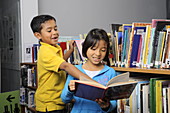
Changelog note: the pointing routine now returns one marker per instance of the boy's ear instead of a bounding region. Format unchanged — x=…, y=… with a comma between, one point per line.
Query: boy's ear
x=37, y=35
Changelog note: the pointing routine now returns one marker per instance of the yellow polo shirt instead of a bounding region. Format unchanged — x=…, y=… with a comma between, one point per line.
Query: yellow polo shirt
x=50, y=80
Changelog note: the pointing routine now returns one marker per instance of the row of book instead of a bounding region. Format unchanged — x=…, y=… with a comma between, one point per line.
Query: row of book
x=140, y=44
x=28, y=76
x=31, y=50
x=151, y=96
x=27, y=97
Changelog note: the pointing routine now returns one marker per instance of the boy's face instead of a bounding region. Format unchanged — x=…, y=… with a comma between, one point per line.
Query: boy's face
x=49, y=33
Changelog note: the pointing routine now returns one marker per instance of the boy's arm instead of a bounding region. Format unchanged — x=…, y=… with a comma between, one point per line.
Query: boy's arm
x=73, y=71
x=71, y=49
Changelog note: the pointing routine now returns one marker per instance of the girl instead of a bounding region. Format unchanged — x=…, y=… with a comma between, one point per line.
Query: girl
x=96, y=50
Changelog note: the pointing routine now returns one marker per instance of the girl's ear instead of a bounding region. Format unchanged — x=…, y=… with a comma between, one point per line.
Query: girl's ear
x=37, y=35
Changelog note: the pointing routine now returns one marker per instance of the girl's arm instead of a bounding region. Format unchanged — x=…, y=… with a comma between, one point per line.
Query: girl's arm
x=66, y=94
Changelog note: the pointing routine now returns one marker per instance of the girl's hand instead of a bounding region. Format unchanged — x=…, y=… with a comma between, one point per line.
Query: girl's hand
x=104, y=104
x=72, y=85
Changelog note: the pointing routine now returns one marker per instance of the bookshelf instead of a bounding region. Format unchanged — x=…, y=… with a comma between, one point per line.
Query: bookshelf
x=145, y=78
x=142, y=70
x=26, y=100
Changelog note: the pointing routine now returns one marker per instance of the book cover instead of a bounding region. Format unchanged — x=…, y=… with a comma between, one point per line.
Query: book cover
x=63, y=46
x=28, y=53
x=145, y=98
x=160, y=26
x=118, y=87
x=152, y=95
x=35, y=49
x=165, y=100
x=146, y=46
x=125, y=38
x=166, y=52
x=79, y=46
x=140, y=95
x=134, y=25
x=159, y=85
x=137, y=40
x=152, y=84
x=168, y=99
x=159, y=49
x=114, y=29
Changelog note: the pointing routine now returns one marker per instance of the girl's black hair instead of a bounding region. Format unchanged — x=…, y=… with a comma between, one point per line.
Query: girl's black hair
x=92, y=38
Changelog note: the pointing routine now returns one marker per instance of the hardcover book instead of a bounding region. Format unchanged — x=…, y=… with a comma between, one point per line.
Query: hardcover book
x=160, y=26
x=118, y=87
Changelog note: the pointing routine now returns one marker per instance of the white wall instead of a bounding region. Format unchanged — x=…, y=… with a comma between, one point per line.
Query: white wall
x=79, y=16
x=29, y=9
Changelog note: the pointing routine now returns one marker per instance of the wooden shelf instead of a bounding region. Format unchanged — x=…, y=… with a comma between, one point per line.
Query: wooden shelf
x=29, y=63
x=32, y=109
x=141, y=70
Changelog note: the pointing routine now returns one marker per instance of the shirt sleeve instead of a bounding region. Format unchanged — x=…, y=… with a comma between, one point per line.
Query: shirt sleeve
x=113, y=104
x=51, y=61
x=67, y=95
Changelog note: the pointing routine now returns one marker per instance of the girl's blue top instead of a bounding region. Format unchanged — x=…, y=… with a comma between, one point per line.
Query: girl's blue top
x=82, y=105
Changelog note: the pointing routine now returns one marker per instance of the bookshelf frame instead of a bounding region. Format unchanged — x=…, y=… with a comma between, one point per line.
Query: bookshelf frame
x=30, y=87
x=142, y=70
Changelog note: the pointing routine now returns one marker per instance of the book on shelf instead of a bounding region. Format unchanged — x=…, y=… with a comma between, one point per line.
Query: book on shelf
x=28, y=54
x=79, y=47
x=166, y=51
x=131, y=39
x=118, y=87
x=160, y=26
x=31, y=94
x=145, y=97
x=137, y=45
x=146, y=46
x=125, y=41
x=160, y=46
x=28, y=76
x=63, y=46
x=152, y=92
x=165, y=97
x=140, y=95
x=160, y=84
x=168, y=93
x=135, y=102
x=136, y=98
x=114, y=38
x=23, y=96
x=35, y=48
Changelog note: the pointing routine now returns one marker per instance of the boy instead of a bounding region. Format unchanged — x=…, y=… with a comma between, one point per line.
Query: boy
x=50, y=63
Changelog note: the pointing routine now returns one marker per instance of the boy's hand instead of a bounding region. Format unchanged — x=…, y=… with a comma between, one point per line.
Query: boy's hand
x=72, y=85
x=72, y=45
x=104, y=104
x=70, y=51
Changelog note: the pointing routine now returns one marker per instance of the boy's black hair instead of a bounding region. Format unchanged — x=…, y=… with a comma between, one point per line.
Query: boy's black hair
x=38, y=20
x=92, y=38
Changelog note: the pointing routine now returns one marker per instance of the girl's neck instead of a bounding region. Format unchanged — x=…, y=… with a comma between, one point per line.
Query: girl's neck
x=93, y=67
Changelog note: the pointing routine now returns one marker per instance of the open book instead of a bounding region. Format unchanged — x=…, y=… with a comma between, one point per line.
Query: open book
x=118, y=87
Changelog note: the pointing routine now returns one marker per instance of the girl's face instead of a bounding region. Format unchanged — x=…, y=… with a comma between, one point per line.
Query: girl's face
x=96, y=54
x=49, y=33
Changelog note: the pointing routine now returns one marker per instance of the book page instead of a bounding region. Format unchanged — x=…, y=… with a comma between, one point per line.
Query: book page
x=91, y=83
x=82, y=78
x=124, y=77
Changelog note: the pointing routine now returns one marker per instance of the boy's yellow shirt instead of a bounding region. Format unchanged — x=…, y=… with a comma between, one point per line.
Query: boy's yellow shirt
x=50, y=80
